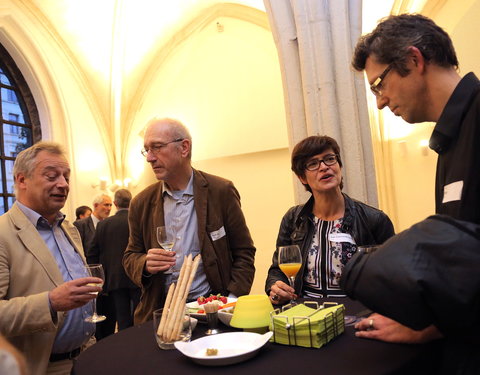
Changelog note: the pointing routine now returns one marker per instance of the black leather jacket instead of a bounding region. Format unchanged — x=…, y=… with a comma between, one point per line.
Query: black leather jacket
x=367, y=225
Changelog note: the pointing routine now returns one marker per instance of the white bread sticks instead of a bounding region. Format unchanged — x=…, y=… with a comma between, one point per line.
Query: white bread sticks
x=173, y=310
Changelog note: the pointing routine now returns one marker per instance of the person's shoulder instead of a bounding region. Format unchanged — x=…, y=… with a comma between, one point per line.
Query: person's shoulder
x=211, y=179
x=146, y=194
x=82, y=222
x=293, y=213
x=359, y=204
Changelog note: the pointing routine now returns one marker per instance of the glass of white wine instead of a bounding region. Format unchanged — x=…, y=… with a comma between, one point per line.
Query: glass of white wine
x=166, y=239
x=95, y=270
x=290, y=262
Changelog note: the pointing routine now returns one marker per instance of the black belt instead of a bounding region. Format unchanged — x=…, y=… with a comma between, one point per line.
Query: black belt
x=55, y=357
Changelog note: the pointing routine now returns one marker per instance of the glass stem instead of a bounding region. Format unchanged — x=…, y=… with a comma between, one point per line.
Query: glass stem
x=94, y=307
x=291, y=279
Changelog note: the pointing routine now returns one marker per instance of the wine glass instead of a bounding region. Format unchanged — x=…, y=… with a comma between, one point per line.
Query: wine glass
x=95, y=270
x=290, y=262
x=166, y=240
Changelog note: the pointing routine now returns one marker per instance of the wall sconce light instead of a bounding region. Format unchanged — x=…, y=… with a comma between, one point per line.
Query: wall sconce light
x=424, y=147
x=102, y=184
x=118, y=184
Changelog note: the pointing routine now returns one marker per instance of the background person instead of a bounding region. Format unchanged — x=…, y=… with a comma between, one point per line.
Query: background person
x=42, y=266
x=109, y=244
x=102, y=205
x=82, y=212
x=205, y=212
x=328, y=228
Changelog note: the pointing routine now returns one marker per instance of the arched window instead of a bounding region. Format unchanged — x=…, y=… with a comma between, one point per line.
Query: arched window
x=19, y=123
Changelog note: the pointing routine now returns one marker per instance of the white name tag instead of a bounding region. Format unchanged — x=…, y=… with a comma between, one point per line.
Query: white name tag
x=452, y=192
x=217, y=234
x=341, y=237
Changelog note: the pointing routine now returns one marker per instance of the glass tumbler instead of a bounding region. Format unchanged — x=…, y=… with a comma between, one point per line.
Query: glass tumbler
x=164, y=341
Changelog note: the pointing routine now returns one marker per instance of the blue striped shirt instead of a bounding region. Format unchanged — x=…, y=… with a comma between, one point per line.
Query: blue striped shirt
x=179, y=213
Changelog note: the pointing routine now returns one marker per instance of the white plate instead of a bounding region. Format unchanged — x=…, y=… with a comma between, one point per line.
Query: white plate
x=202, y=317
x=233, y=347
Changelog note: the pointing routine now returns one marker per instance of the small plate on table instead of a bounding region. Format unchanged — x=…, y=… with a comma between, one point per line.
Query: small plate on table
x=231, y=347
x=193, y=306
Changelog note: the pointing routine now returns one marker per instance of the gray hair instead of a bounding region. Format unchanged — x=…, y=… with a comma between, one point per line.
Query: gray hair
x=176, y=128
x=99, y=198
x=25, y=163
x=122, y=198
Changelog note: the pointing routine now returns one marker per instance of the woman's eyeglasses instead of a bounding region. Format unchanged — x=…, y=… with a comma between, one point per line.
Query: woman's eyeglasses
x=314, y=164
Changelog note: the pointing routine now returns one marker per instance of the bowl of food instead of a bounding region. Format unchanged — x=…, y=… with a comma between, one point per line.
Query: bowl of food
x=197, y=310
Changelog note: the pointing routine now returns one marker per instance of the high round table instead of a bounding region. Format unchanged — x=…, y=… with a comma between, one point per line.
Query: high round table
x=135, y=351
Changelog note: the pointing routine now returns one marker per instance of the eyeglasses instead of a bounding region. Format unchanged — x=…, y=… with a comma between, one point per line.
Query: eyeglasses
x=376, y=86
x=155, y=148
x=314, y=164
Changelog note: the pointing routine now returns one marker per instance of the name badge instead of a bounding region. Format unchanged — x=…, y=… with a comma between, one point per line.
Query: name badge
x=341, y=237
x=452, y=192
x=217, y=234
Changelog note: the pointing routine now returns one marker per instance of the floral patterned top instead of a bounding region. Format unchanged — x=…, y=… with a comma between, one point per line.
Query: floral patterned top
x=326, y=259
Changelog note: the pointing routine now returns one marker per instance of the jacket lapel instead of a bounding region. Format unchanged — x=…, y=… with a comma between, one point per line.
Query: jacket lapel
x=200, y=194
x=74, y=238
x=34, y=243
x=91, y=227
x=158, y=219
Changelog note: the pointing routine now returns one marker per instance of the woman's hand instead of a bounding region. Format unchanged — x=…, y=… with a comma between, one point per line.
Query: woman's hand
x=281, y=293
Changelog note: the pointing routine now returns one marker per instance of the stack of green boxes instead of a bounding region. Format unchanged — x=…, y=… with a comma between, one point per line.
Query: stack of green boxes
x=305, y=326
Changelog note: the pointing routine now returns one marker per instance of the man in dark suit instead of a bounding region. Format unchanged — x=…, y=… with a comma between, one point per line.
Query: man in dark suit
x=102, y=205
x=110, y=241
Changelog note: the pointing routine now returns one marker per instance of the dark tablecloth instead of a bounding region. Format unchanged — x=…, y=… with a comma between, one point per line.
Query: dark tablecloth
x=135, y=351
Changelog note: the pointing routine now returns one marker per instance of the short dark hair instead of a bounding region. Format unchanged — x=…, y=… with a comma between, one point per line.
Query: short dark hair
x=311, y=146
x=122, y=198
x=81, y=211
x=390, y=40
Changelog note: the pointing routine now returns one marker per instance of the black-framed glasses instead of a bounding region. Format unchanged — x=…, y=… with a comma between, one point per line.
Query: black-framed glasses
x=376, y=86
x=314, y=164
x=155, y=148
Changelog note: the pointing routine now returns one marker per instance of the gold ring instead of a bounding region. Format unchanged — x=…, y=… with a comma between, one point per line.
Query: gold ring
x=370, y=324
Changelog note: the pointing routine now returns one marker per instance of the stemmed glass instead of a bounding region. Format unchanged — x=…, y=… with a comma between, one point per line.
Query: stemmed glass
x=166, y=240
x=290, y=262
x=95, y=270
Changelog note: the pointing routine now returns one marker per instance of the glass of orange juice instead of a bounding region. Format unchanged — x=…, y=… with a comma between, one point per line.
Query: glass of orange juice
x=290, y=262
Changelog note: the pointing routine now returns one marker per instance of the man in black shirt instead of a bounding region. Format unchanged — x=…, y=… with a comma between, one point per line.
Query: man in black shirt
x=411, y=65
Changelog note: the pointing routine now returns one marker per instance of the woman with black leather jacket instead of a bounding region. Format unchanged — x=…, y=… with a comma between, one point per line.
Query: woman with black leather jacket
x=328, y=228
